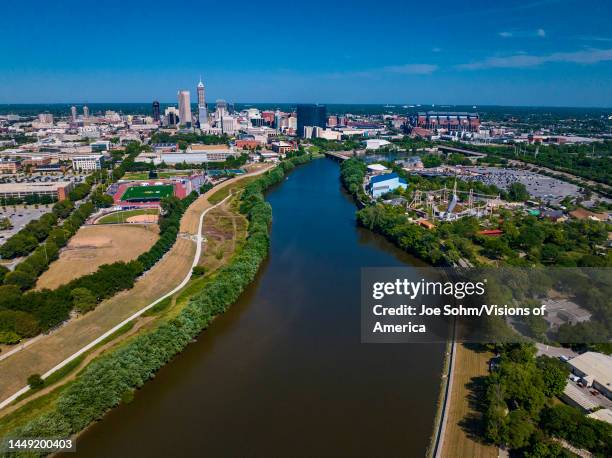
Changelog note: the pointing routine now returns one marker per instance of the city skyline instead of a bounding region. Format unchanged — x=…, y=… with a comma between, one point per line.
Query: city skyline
x=519, y=53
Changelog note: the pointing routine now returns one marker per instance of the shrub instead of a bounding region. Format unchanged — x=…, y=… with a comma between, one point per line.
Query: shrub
x=35, y=381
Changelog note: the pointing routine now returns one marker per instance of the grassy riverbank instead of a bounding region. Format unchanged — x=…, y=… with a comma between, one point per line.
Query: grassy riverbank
x=113, y=377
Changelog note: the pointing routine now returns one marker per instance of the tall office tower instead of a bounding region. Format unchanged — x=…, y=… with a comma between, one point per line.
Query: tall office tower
x=156, y=111
x=184, y=108
x=73, y=112
x=221, y=108
x=310, y=115
x=85, y=111
x=277, y=120
x=202, y=110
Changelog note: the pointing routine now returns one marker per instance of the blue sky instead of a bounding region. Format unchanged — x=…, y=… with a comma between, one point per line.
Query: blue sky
x=530, y=52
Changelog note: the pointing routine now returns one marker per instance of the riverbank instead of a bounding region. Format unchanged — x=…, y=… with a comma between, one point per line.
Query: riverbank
x=116, y=375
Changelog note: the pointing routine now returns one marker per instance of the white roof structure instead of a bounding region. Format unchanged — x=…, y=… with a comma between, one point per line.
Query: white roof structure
x=602, y=415
x=376, y=143
x=579, y=397
x=377, y=167
x=596, y=366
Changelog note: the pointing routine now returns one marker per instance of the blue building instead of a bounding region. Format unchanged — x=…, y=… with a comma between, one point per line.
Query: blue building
x=383, y=184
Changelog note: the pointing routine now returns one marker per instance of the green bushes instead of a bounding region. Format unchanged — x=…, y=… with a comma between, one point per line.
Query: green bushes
x=107, y=381
x=352, y=173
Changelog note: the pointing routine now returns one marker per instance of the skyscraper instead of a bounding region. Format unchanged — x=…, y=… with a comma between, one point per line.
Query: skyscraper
x=221, y=108
x=202, y=111
x=156, y=111
x=184, y=108
x=73, y=113
x=310, y=115
x=85, y=111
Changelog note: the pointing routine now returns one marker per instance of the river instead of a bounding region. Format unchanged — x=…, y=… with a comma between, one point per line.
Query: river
x=283, y=372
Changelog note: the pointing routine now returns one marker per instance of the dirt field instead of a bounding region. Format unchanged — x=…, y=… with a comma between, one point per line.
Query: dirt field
x=53, y=348
x=464, y=417
x=93, y=246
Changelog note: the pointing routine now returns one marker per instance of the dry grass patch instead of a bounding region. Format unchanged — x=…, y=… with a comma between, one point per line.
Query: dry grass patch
x=93, y=246
x=463, y=426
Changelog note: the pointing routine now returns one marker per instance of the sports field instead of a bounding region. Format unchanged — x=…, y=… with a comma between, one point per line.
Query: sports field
x=147, y=193
x=130, y=216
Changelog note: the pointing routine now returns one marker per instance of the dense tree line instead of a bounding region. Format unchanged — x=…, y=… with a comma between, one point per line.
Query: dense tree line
x=113, y=376
x=32, y=199
x=50, y=307
x=520, y=415
x=352, y=174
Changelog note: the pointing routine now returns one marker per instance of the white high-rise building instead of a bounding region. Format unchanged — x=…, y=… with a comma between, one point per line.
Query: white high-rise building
x=85, y=111
x=73, y=112
x=202, y=110
x=184, y=108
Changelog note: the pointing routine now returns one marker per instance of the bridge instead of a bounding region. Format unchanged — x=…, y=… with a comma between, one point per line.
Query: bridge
x=340, y=156
x=467, y=152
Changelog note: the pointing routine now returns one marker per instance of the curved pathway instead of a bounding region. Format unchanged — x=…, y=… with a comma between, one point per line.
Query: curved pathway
x=36, y=356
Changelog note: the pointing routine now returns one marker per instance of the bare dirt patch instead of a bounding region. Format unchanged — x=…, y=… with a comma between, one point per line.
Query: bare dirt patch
x=143, y=219
x=93, y=246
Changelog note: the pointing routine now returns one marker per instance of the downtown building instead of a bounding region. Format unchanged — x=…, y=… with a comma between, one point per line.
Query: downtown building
x=310, y=115
x=184, y=108
x=453, y=121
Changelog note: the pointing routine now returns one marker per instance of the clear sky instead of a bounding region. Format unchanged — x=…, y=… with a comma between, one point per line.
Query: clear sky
x=530, y=52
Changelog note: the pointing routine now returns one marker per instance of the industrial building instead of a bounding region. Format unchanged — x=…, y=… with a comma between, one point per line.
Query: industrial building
x=450, y=120
x=595, y=369
x=88, y=163
x=58, y=190
x=383, y=184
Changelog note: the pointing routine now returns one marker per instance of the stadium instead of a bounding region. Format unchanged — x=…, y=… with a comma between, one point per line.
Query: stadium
x=147, y=193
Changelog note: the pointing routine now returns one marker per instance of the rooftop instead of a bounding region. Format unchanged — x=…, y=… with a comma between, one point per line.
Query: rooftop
x=602, y=415
x=596, y=365
x=386, y=177
x=32, y=187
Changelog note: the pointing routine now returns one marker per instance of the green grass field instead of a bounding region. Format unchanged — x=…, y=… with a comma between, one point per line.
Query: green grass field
x=146, y=193
x=120, y=217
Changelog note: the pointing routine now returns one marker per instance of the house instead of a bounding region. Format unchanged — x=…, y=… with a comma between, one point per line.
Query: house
x=553, y=215
x=383, y=184
x=581, y=213
x=425, y=223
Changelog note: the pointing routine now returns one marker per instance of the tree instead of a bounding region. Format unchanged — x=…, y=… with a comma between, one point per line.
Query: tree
x=198, y=271
x=23, y=280
x=517, y=192
x=554, y=375
x=83, y=299
x=35, y=381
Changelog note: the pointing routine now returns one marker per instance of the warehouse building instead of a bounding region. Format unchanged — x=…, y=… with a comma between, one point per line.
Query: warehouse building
x=595, y=369
x=58, y=190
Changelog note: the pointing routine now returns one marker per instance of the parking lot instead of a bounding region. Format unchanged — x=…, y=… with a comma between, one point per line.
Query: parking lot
x=40, y=178
x=539, y=186
x=20, y=215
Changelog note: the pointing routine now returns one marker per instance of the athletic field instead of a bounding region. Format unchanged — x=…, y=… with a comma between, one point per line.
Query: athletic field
x=147, y=193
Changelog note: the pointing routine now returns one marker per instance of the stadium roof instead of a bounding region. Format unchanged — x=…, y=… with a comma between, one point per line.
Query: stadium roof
x=386, y=177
